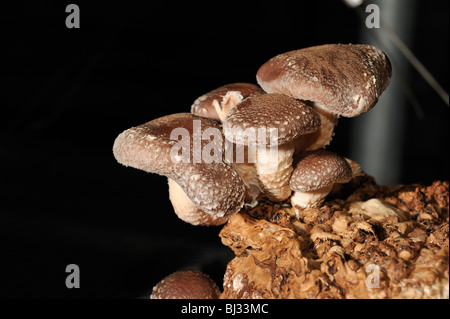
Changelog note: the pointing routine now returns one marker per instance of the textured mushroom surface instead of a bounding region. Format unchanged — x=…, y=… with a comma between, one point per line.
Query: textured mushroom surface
x=333, y=250
x=204, y=105
x=317, y=169
x=186, y=209
x=291, y=118
x=186, y=284
x=215, y=188
x=346, y=79
x=271, y=120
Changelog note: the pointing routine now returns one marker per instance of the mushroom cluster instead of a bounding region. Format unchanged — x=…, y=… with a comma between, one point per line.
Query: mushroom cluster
x=243, y=143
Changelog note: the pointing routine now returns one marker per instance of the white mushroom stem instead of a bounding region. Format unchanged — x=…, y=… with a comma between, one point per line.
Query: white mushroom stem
x=323, y=136
x=229, y=101
x=186, y=209
x=301, y=200
x=247, y=171
x=274, y=168
x=243, y=162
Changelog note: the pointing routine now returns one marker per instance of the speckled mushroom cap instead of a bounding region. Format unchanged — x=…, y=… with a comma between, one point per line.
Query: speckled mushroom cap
x=186, y=284
x=346, y=79
x=203, y=106
x=214, y=188
x=317, y=169
x=289, y=116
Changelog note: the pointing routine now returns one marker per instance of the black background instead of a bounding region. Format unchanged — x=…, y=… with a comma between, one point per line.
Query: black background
x=67, y=93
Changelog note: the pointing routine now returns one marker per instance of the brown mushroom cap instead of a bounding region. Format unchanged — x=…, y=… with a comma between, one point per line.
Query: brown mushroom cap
x=186, y=209
x=318, y=169
x=289, y=116
x=346, y=79
x=214, y=188
x=203, y=106
x=186, y=284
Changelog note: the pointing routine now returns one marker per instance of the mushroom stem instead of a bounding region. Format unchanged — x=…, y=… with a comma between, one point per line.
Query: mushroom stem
x=229, y=101
x=324, y=135
x=274, y=168
x=301, y=200
x=186, y=209
x=242, y=159
x=247, y=171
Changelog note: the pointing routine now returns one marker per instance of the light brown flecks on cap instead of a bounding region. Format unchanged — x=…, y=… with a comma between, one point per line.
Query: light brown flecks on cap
x=219, y=191
x=186, y=284
x=314, y=170
x=147, y=147
x=204, y=105
x=288, y=116
x=186, y=209
x=346, y=79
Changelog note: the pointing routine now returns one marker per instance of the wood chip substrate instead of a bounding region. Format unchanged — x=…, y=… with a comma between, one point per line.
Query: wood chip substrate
x=365, y=241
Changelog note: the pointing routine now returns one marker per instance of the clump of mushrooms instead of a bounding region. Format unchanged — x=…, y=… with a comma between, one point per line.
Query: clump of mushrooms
x=261, y=116
x=293, y=112
x=300, y=97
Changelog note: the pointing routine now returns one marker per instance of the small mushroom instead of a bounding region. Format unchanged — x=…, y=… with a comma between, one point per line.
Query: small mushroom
x=253, y=123
x=314, y=175
x=217, y=103
x=336, y=79
x=186, y=284
x=215, y=189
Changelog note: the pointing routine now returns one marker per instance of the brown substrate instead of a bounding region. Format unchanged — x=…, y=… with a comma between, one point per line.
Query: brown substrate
x=365, y=241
